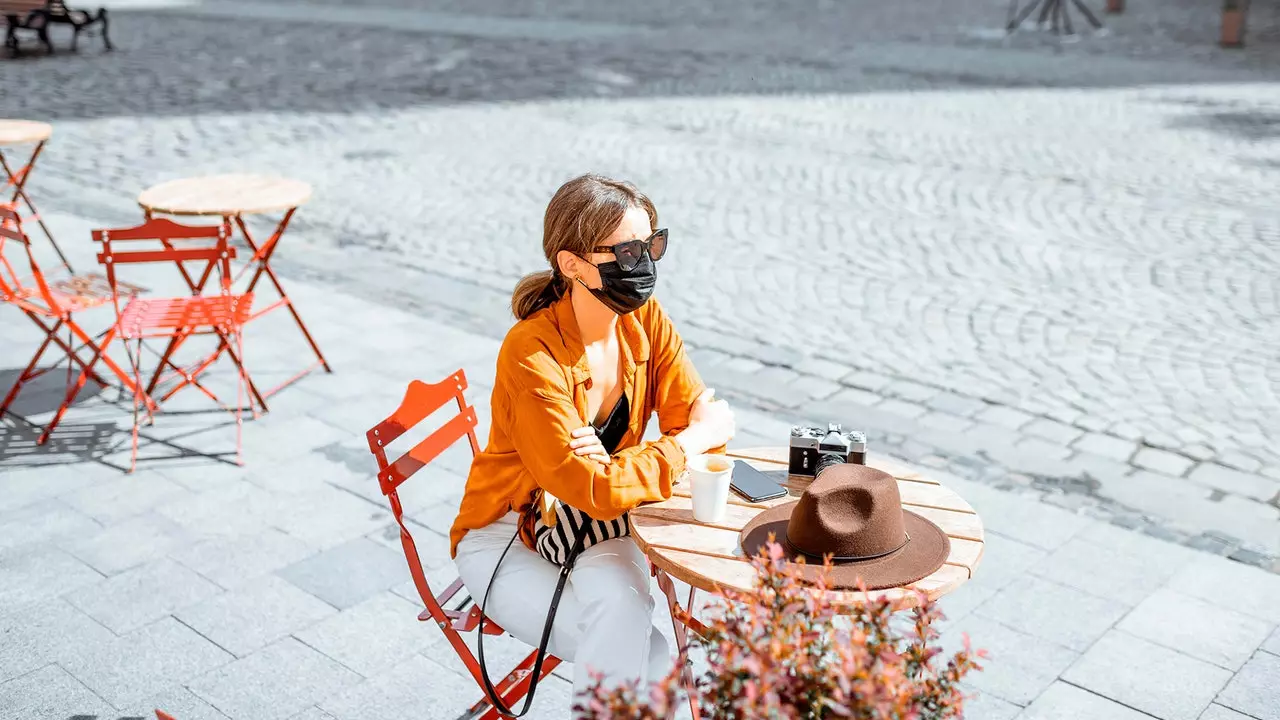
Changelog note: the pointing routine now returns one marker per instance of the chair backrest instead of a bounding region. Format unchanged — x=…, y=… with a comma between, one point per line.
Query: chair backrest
x=208, y=243
x=420, y=401
x=11, y=282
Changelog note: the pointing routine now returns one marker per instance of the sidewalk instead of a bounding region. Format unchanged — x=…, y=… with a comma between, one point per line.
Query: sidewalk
x=279, y=590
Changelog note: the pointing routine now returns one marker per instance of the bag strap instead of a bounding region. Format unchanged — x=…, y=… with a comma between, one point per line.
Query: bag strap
x=536, y=673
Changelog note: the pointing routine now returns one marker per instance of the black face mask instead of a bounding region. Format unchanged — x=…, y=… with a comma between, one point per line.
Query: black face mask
x=625, y=291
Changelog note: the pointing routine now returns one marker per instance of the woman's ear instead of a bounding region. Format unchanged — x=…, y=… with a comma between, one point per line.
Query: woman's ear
x=568, y=264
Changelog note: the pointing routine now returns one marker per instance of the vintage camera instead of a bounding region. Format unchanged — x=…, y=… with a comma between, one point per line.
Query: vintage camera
x=815, y=449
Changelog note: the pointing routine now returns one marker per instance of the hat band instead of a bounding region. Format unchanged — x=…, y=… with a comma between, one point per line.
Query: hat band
x=849, y=558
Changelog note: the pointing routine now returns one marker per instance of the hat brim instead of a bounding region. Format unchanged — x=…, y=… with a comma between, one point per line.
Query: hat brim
x=923, y=554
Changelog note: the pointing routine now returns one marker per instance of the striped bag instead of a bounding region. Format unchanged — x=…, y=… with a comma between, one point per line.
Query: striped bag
x=554, y=541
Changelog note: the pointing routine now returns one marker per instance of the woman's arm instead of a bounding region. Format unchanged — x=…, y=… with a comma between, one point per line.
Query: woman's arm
x=542, y=420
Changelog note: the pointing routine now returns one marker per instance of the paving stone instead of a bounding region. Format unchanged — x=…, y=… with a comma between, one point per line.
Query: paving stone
x=113, y=500
x=27, y=486
x=50, y=692
x=1162, y=461
x=246, y=619
x=43, y=633
x=1176, y=621
x=374, y=635
x=825, y=369
x=1240, y=461
x=1147, y=677
x=856, y=396
x=328, y=517
x=1108, y=446
x=1018, y=668
x=142, y=595
x=416, y=687
x=866, y=380
x=953, y=404
x=1043, y=448
x=1235, y=481
x=902, y=407
x=743, y=365
x=350, y=573
x=910, y=391
x=985, y=706
x=945, y=422
x=279, y=680
x=1024, y=519
x=177, y=701
x=1058, y=433
x=31, y=577
x=1111, y=572
x=1057, y=613
x=815, y=387
x=958, y=603
x=1096, y=467
x=1272, y=645
x=1005, y=417
x=44, y=522
x=1068, y=702
x=129, y=543
x=1231, y=585
x=234, y=561
x=1219, y=712
x=146, y=662
x=1255, y=690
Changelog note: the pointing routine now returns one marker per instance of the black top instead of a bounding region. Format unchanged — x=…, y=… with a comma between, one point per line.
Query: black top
x=614, y=427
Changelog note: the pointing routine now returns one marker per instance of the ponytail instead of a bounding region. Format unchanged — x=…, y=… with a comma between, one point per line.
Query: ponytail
x=535, y=292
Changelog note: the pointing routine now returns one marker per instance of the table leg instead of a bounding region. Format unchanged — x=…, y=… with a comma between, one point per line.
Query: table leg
x=18, y=179
x=680, y=621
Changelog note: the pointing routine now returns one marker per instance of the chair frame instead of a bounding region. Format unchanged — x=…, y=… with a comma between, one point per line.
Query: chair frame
x=420, y=401
x=217, y=256
x=50, y=309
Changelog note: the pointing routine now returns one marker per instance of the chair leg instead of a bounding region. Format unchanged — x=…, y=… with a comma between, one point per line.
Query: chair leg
x=74, y=389
x=35, y=359
x=135, y=360
x=102, y=20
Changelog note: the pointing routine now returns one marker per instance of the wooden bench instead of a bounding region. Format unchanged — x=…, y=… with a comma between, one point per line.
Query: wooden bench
x=37, y=15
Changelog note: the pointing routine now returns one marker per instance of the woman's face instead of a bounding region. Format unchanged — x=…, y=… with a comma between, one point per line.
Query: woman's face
x=634, y=226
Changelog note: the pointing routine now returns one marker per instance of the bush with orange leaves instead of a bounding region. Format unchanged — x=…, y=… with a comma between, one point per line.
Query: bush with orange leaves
x=778, y=652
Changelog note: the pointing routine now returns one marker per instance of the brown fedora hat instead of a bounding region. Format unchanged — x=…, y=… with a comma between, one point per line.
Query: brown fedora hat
x=854, y=513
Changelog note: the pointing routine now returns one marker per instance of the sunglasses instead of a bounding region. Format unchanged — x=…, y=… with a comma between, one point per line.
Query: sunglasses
x=629, y=254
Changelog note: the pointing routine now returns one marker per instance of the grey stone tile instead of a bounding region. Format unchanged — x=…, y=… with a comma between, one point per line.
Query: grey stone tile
x=288, y=438
x=433, y=547
x=1234, y=481
x=328, y=517
x=1107, y=446
x=815, y=388
x=277, y=681
x=50, y=692
x=945, y=422
x=1138, y=544
x=255, y=615
x=1177, y=621
x=27, y=486
x=139, y=596
x=1147, y=677
x=1018, y=667
x=146, y=662
x=44, y=522
x=1055, y=432
x=110, y=501
x=177, y=701
x=203, y=476
x=1231, y=585
x=234, y=561
x=416, y=687
x=985, y=706
x=1005, y=417
x=911, y=391
x=350, y=573
x=856, y=396
x=1060, y=614
x=1218, y=712
x=438, y=516
x=825, y=369
x=1097, y=467
x=1110, y=572
x=1040, y=447
x=1004, y=560
x=373, y=635
x=304, y=473
x=866, y=380
x=955, y=605
x=129, y=543
x=1162, y=461
x=1272, y=644
x=1068, y=702
x=312, y=713
x=234, y=509
x=30, y=577
x=955, y=404
x=43, y=633
x=904, y=408
x=1255, y=690
x=1024, y=519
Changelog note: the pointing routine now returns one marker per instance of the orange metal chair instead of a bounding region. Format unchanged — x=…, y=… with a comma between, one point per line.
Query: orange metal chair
x=52, y=305
x=177, y=318
x=420, y=401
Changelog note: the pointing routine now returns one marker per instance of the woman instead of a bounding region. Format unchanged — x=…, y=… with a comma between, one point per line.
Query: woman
x=591, y=358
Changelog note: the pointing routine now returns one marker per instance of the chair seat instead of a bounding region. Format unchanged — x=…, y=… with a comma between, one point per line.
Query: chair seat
x=73, y=294
x=147, y=317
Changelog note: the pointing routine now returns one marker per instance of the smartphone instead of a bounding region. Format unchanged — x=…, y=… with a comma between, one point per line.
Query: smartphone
x=753, y=485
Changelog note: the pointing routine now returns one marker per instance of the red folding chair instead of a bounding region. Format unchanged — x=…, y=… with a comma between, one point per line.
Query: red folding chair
x=52, y=304
x=420, y=401
x=177, y=318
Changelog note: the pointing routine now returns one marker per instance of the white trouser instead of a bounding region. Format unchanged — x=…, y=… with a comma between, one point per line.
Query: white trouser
x=605, y=619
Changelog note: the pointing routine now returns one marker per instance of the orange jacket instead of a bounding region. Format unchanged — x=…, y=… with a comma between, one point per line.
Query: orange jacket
x=540, y=396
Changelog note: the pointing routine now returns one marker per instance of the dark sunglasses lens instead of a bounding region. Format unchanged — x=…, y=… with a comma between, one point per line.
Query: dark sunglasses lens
x=628, y=254
x=658, y=245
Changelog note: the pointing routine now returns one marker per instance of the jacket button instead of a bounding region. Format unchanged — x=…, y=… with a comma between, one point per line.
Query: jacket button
x=588, y=385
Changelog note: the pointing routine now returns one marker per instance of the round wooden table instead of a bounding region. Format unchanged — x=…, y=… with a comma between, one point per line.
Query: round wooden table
x=232, y=197
x=25, y=132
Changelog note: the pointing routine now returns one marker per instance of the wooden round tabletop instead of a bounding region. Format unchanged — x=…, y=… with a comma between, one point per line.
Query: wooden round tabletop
x=17, y=132
x=225, y=195
x=708, y=556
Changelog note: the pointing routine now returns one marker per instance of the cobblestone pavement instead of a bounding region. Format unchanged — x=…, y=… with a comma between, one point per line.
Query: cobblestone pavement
x=1049, y=267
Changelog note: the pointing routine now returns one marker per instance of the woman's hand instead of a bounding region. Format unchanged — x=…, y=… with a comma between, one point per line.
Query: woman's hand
x=711, y=424
x=586, y=443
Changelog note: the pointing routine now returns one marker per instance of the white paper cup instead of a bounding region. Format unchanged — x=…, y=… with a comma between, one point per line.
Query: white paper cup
x=709, y=477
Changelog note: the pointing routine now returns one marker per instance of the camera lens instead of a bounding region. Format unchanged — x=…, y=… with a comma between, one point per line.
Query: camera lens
x=826, y=460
